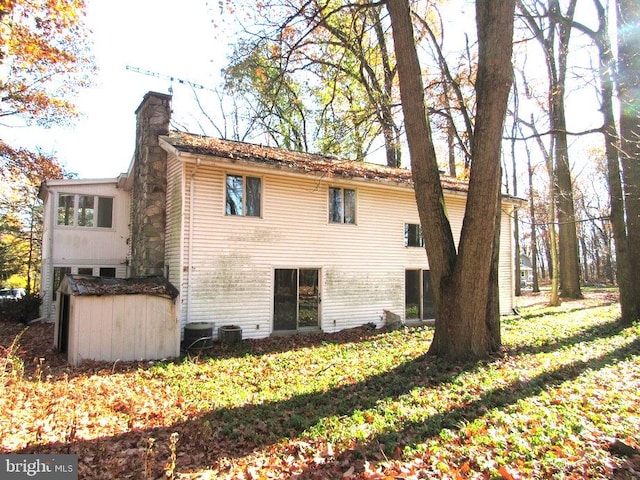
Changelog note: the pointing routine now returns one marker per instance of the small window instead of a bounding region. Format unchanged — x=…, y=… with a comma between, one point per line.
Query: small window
x=342, y=205
x=244, y=196
x=85, y=271
x=65, y=209
x=108, y=272
x=413, y=235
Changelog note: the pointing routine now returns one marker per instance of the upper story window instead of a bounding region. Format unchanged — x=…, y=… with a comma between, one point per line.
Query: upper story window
x=243, y=196
x=413, y=235
x=85, y=210
x=342, y=205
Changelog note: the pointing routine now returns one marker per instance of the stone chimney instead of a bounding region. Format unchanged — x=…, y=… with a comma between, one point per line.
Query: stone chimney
x=148, y=196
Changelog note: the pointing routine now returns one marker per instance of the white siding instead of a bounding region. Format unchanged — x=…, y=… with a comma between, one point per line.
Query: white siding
x=176, y=219
x=362, y=266
x=506, y=286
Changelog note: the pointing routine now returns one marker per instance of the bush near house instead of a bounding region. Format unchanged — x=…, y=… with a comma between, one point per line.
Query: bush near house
x=21, y=310
x=560, y=401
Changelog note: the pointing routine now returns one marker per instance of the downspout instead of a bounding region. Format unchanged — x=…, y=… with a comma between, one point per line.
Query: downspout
x=52, y=211
x=192, y=188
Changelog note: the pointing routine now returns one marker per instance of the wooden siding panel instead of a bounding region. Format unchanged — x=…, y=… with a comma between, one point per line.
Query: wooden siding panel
x=122, y=327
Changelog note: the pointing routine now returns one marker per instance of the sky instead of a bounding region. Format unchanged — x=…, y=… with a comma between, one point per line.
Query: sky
x=186, y=40
x=153, y=35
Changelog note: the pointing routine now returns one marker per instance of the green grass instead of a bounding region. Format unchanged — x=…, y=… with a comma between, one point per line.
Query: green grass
x=362, y=403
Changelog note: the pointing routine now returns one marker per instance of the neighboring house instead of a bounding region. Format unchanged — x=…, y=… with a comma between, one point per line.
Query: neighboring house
x=263, y=238
x=526, y=271
x=86, y=227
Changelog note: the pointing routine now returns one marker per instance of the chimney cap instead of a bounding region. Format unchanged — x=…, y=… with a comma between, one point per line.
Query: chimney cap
x=147, y=96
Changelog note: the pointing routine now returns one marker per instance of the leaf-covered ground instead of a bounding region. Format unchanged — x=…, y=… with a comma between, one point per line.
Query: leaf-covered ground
x=561, y=401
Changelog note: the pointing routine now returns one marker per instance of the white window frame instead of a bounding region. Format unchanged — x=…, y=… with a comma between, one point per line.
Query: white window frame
x=342, y=206
x=76, y=211
x=243, y=206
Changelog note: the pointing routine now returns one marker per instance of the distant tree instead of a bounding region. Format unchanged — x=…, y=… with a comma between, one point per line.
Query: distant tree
x=21, y=215
x=552, y=27
x=272, y=96
x=337, y=57
x=465, y=281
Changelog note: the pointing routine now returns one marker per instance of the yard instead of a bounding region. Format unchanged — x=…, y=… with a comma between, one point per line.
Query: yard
x=561, y=401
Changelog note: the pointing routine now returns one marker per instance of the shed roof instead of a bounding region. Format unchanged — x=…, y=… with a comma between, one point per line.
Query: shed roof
x=298, y=161
x=87, y=285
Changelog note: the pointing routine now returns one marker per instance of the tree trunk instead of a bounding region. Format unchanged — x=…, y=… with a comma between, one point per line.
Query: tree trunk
x=464, y=283
x=629, y=95
x=439, y=243
x=585, y=260
x=534, y=235
x=554, y=265
x=567, y=237
x=514, y=178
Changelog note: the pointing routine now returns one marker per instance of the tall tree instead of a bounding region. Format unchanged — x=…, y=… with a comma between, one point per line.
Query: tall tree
x=552, y=28
x=465, y=284
x=629, y=96
x=45, y=62
x=606, y=77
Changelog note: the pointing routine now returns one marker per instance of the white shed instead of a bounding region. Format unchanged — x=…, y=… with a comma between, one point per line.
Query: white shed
x=112, y=319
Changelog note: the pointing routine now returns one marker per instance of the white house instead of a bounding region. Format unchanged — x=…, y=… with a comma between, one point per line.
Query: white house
x=262, y=238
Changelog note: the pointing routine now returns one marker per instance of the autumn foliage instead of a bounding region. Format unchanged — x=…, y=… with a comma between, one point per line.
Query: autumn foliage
x=44, y=62
x=46, y=58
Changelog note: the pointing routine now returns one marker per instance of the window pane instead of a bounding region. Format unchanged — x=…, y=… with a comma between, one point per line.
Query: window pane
x=412, y=294
x=105, y=212
x=234, y=195
x=85, y=271
x=58, y=275
x=65, y=209
x=108, y=272
x=85, y=211
x=308, y=298
x=335, y=205
x=253, y=196
x=413, y=235
x=349, y=206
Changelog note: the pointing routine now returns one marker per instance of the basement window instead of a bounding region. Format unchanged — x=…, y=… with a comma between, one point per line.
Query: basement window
x=243, y=196
x=342, y=205
x=413, y=235
x=109, y=272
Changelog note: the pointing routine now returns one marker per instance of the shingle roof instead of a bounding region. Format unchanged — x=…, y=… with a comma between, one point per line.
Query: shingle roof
x=298, y=161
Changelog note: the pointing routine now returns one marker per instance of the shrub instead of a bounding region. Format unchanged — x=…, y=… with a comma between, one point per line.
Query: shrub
x=22, y=310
